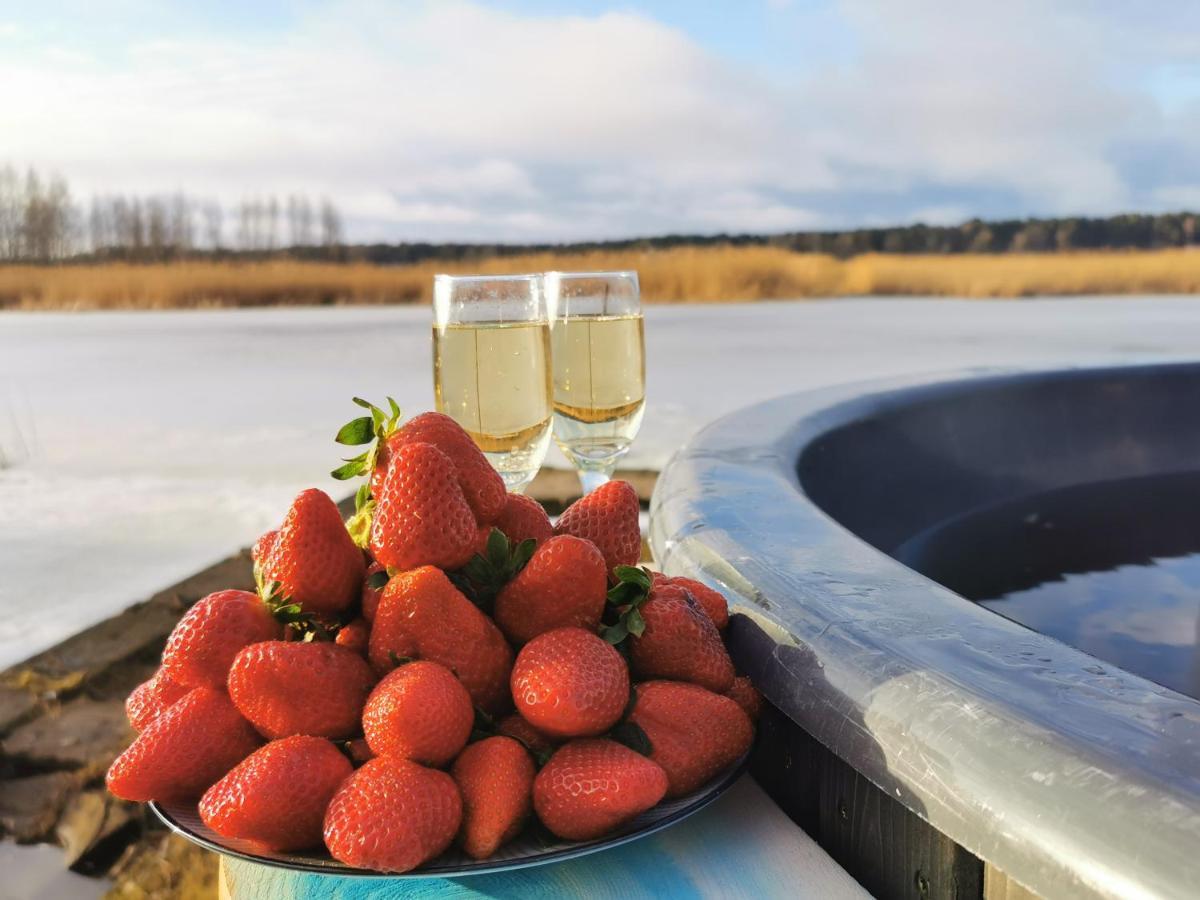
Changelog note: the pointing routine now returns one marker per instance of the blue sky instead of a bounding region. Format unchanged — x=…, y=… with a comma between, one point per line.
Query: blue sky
x=535, y=120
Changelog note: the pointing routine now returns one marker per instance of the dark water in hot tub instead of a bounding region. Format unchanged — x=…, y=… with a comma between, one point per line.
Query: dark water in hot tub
x=1110, y=568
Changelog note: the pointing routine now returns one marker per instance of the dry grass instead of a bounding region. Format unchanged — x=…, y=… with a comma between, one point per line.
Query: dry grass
x=671, y=276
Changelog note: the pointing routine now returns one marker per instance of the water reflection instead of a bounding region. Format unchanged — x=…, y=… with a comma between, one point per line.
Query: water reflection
x=1112, y=569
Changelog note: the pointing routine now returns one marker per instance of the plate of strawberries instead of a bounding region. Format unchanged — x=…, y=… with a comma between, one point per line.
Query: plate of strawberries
x=446, y=683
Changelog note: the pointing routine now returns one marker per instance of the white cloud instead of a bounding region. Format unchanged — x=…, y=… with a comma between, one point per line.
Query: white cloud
x=455, y=121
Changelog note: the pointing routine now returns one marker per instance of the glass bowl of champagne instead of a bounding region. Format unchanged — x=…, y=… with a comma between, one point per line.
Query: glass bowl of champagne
x=598, y=342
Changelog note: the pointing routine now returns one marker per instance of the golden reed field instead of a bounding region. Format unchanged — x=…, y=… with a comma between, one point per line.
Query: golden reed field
x=684, y=274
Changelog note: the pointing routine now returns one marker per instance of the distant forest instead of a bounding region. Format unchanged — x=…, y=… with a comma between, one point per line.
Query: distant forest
x=40, y=222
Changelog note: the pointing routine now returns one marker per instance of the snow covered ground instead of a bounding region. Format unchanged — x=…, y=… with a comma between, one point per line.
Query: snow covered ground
x=135, y=448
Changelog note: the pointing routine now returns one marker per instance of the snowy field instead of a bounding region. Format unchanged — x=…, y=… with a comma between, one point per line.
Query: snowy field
x=136, y=448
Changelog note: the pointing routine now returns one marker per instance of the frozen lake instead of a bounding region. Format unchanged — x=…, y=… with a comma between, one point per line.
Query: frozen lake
x=139, y=447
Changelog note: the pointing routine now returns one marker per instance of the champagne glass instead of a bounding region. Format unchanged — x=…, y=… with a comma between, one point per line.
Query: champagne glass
x=491, y=367
x=599, y=368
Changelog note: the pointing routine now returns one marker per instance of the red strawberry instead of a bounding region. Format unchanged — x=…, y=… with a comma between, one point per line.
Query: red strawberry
x=419, y=711
x=712, y=602
x=570, y=683
x=314, y=558
x=694, y=734
x=608, y=517
x=421, y=517
x=183, y=751
x=523, y=518
x=354, y=635
x=372, y=590
x=211, y=633
x=513, y=726
x=746, y=695
x=590, y=787
x=287, y=688
x=563, y=584
x=277, y=795
x=679, y=642
x=263, y=546
x=150, y=698
x=495, y=778
x=423, y=616
x=481, y=484
x=392, y=815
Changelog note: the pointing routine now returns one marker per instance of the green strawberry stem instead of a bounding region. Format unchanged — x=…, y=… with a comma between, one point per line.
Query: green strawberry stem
x=486, y=574
x=373, y=429
x=625, y=599
x=359, y=524
x=292, y=616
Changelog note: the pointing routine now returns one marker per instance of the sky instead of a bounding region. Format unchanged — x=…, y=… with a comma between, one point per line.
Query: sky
x=539, y=121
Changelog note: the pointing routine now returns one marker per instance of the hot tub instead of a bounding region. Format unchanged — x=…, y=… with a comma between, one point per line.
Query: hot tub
x=1028, y=762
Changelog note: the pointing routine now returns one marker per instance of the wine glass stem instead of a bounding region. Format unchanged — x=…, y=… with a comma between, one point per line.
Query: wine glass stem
x=592, y=475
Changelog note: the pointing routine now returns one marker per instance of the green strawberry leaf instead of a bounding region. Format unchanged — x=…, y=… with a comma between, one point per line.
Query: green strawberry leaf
x=634, y=575
x=351, y=468
x=634, y=622
x=625, y=599
x=378, y=580
x=497, y=547
x=522, y=555
x=372, y=429
x=486, y=574
x=614, y=634
x=633, y=584
x=356, y=431
x=632, y=736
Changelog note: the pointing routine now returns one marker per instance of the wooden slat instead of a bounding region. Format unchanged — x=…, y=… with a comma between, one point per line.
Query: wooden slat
x=892, y=851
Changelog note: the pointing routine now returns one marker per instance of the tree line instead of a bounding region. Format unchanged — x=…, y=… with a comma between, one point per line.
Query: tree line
x=40, y=222
x=1129, y=231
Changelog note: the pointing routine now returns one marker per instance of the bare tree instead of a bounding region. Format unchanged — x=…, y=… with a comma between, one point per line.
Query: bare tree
x=11, y=214
x=180, y=227
x=46, y=222
x=247, y=224
x=136, y=238
x=156, y=227
x=100, y=225
x=331, y=225
x=214, y=217
x=300, y=221
x=271, y=215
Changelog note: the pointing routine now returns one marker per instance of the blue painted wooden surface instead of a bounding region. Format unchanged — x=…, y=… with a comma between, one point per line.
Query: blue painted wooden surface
x=741, y=846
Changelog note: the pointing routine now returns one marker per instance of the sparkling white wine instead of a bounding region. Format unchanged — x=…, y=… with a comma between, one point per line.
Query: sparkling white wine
x=599, y=386
x=494, y=380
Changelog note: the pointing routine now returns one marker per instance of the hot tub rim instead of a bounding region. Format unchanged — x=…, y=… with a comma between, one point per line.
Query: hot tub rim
x=748, y=459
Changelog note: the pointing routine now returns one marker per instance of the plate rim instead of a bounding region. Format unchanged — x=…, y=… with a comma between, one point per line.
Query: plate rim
x=701, y=798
